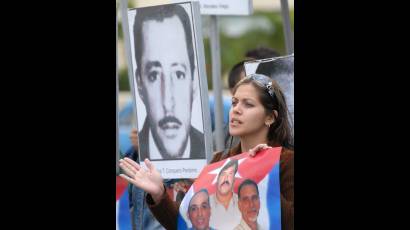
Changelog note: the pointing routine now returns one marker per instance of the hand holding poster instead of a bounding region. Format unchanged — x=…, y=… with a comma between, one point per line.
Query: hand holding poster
x=235, y=193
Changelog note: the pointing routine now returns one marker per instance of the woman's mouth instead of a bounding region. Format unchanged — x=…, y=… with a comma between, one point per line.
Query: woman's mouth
x=235, y=121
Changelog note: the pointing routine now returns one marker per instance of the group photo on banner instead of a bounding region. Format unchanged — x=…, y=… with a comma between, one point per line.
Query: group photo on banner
x=249, y=197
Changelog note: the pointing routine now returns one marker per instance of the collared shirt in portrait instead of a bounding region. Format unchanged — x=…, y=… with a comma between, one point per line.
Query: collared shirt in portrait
x=155, y=155
x=244, y=226
x=222, y=218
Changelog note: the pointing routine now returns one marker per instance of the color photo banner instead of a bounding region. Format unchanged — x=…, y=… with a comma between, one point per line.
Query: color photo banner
x=235, y=193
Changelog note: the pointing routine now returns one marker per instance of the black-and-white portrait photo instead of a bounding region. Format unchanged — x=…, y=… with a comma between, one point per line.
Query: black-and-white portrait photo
x=166, y=83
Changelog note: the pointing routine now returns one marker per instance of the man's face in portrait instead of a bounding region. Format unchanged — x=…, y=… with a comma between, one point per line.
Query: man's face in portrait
x=226, y=180
x=167, y=84
x=249, y=203
x=199, y=211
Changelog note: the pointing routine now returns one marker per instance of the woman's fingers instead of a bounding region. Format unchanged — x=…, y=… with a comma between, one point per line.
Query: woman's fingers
x=127, y=169
x=130, y=164
x=130, y=180
x=127, y=178
x=149, y=165
x=133, y=163
x=257, y=148
x=179, y=187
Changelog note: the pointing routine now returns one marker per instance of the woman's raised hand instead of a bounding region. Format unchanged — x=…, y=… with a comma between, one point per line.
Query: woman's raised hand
x=149, y=179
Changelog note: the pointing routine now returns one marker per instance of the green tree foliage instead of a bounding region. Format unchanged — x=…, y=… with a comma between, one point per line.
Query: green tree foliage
x=233, y=49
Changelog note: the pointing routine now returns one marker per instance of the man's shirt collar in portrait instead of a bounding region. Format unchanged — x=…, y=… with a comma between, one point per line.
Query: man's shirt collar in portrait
x=154, y=151
x=222, y=218
x=244, y=226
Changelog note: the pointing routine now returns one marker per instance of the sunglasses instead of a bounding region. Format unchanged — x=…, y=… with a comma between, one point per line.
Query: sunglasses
x=263, y=81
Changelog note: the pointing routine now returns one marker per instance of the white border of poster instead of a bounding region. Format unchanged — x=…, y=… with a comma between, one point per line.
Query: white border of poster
x=200, y=115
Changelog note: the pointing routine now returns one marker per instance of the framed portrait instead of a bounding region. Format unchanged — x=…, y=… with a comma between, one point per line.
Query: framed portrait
x=170, y=88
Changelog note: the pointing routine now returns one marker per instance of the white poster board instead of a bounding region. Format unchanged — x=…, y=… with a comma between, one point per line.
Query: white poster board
x=171, y=92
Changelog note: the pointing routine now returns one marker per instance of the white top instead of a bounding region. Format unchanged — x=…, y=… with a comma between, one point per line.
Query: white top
x=221, y=218
x=244, y=226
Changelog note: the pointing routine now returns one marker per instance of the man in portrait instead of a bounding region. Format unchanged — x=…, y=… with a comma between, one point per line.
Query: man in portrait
x=165, y=61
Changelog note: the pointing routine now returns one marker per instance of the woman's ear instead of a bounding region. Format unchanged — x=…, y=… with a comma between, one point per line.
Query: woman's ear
x=271, y=118
x=275, y=112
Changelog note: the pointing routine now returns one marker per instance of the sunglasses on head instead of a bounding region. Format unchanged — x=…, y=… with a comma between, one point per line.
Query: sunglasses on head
x=263, y=81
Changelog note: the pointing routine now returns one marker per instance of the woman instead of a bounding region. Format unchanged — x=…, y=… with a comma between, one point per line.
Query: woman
x=258, y=115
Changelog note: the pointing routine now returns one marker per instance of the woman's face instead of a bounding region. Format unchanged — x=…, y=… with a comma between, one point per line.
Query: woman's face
x=247, y=115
